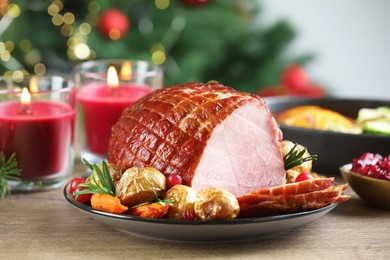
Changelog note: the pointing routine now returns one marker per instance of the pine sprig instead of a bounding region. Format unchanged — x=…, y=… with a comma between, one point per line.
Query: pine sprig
x=156, y=200
x=99, y=182
x=294, y=158
x=8, y=171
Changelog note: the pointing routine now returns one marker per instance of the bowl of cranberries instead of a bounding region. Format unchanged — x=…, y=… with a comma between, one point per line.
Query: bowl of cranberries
x=369, y=176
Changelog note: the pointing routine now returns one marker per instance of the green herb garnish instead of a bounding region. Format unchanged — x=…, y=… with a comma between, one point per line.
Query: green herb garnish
x=294, y=158
x=8, y=171
x=99, y=182
x=156, y=200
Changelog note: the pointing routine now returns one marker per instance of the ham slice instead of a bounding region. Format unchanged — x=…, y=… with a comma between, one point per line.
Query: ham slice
x=209, y=134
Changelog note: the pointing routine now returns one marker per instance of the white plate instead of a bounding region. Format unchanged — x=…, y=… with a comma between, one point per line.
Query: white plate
x=201, y=231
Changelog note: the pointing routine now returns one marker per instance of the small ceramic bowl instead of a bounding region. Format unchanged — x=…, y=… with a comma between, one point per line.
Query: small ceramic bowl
x=374, y=191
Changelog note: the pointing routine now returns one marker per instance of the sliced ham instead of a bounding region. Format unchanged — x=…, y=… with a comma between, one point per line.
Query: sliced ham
x=209, y=134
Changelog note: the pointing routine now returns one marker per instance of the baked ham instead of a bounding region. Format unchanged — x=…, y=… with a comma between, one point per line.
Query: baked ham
x=209, y=134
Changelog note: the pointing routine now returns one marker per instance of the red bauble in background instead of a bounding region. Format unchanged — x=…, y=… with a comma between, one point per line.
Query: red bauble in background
x=294, y=81
x=194, y=2
x=294, y=77
x=113, y=24
x=311, y=91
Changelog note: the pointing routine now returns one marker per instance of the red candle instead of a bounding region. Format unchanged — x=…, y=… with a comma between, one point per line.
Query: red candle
x=102, y=106
x=39, y=136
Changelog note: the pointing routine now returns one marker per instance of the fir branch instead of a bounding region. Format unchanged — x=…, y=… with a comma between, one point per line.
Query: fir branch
x=294, y=158
x=99, y=182
x=8, y=171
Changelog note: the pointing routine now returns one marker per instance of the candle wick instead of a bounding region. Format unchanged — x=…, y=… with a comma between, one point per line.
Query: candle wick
x=25, y=110
x=114, y=91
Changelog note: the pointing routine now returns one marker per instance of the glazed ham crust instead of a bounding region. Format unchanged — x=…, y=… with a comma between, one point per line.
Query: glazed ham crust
x=194, y=130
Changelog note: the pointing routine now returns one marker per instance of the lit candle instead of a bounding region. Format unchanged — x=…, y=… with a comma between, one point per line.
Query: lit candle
x=39, y=132
x=102, y=103
x=112, y=78
x=25, y=100
x=126, y=71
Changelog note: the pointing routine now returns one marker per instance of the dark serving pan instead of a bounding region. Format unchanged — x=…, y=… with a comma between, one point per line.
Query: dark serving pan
x=333, y=149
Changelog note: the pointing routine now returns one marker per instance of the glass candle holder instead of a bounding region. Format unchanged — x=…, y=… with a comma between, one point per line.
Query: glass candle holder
x=105, y=89
x=37, y=120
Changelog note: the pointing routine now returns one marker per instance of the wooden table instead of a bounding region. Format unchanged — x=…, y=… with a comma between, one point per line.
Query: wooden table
x=43, y=225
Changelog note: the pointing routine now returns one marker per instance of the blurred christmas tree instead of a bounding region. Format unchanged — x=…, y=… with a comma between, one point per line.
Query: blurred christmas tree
x=193, y=40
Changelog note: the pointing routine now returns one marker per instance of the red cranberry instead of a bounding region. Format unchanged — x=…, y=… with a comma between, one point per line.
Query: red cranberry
x=386, y=165
x=173, y=179
x=304, y=177
x=372, y=165
x=189, y=215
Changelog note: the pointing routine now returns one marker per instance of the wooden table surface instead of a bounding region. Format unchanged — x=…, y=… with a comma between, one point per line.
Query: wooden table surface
x=43, y=225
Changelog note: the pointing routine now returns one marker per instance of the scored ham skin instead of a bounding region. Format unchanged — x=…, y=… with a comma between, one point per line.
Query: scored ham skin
x=209, y=134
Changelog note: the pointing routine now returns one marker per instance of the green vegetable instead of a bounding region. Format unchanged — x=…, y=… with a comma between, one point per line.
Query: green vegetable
x=375, y=120
x=377, y=127
x=379, y=113
x=8, y=171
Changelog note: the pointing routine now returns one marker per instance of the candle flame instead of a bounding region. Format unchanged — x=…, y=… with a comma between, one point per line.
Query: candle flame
x=126, y=71
x=25, y=98
x=112, y=77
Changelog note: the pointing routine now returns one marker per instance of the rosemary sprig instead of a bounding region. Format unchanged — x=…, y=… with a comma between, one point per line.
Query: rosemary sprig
x=99, y=182
x=8, y=171
x=156, y=200
x=294, y=158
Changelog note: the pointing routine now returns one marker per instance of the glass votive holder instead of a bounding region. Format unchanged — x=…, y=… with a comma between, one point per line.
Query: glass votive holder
x=105, y=89
x=37, y=120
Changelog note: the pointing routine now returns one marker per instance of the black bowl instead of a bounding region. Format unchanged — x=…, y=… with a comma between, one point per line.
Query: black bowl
x=333, y=149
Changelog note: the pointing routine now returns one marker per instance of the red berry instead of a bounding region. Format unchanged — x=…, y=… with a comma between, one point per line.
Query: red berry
x=189, y=215
x=303, y=177
x=372, y=165
x=174, y=179
x=74, y=183
x=74, y=187
x=386, y=166
x=84, y=197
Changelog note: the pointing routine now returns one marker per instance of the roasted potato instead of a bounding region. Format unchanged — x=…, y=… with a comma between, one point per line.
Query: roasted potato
x=184, y=198
x=139, y=185
x=216, y=203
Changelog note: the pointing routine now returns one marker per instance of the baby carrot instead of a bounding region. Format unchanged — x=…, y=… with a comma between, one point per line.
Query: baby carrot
x=107, y=203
